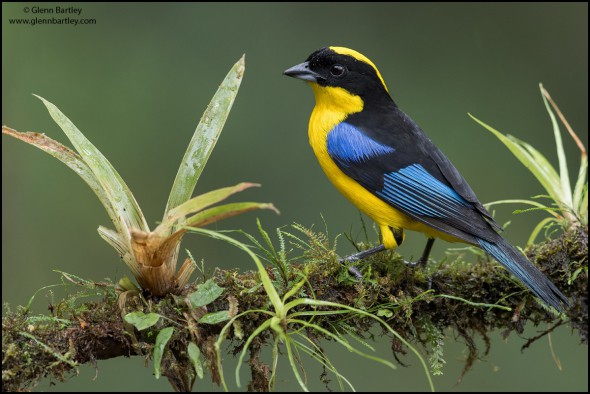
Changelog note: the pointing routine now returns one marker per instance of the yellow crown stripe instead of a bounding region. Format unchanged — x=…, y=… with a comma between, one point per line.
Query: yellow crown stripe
x=361, y=57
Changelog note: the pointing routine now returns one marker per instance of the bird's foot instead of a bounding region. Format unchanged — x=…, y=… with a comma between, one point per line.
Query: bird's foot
x=422, y=261
x=359, y=256
x=414, y=264
x=351, y=269
x=354, y=271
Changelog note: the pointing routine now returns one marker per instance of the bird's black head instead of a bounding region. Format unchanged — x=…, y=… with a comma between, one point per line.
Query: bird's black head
x=341, y=67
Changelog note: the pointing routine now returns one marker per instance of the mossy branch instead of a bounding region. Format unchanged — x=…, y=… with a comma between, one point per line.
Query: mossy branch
x=419, y=303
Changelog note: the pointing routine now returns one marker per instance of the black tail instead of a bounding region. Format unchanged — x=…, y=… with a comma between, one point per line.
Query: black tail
x=526, y=272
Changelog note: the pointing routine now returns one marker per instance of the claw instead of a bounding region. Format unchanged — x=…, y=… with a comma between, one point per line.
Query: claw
x=354, y=271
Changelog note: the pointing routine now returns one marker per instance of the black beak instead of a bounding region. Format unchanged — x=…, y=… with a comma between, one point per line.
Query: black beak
x=302, y=71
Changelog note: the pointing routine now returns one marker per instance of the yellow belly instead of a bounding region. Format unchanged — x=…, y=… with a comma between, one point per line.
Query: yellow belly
x=374, y=207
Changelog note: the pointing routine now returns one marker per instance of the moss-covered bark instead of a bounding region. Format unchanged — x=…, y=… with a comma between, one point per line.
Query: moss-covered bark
x=419, y=303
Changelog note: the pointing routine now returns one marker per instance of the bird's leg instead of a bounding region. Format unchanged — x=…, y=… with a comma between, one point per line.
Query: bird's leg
x=389, y=235
x=358, y=256
x=424, y=259
x=363, y=254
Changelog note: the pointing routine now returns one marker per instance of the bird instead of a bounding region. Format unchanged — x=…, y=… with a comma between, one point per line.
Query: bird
x=385, y=165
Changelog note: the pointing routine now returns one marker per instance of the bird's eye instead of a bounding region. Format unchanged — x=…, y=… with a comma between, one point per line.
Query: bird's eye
x=337, y=70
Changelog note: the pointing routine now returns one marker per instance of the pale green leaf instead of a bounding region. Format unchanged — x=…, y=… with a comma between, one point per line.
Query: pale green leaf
x=294, y=361
x=117, y=241
x=141, y=320
x=583, y=207
x=269, y=253
x=543, y=174
x=215, y=317
x=161, y=342
x=194, y=354
x=221, y=212
x=69, y=158
x=113, y=238
x=581, y=191
x=307, y=301
x=205, y=137
x=343, y=342
x=564, y=176
x=267, y=239
x=541, y=164
x=128, y=215
x=577, y=273
x=318, y=354
x=259, y=329
x=294, y=289
x=199, y=203
x=537, y=230
x=206, y=293
x=514, y=201
x=128, y=285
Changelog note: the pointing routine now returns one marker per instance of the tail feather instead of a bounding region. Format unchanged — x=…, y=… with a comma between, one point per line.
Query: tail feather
x=517, y=264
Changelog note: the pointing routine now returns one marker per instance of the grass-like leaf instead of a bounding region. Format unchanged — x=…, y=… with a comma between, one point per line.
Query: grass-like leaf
x=265, y=325
x=317, y=354
x=537, y=206
x=564, y=176
x=276, y=257
x=530, y=158
x=307, y=301
x=572, y=206
x=226, y=211
x=295, y=365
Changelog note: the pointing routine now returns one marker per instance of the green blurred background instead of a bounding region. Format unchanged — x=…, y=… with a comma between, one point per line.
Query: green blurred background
x=137, y=81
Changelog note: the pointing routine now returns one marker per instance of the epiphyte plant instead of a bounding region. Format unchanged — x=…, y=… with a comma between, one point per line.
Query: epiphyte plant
x=152, y=255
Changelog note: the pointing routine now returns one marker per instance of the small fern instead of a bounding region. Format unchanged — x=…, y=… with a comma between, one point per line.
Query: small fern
x=436, y=339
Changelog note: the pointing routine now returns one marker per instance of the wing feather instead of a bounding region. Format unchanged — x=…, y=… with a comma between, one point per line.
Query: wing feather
x=406, y=177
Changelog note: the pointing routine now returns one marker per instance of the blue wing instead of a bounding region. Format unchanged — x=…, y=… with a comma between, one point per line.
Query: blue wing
x=405, y=176
x=413, y=189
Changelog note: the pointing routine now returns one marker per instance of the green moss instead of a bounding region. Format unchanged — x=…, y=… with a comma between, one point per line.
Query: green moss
x=419, y=303
x=34, y=347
